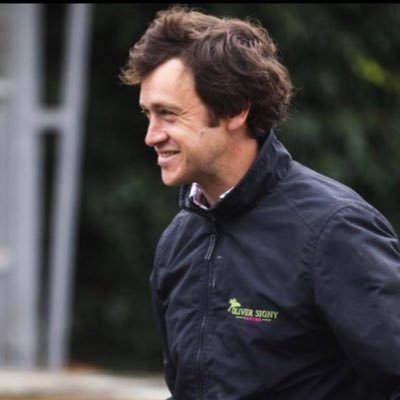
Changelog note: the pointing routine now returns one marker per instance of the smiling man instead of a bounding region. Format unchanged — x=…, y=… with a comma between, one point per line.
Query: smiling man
x=273, y=281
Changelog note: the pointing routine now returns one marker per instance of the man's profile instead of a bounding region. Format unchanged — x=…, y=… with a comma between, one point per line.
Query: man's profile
x=273, y=281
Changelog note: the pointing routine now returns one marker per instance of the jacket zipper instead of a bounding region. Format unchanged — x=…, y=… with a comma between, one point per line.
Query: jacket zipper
x=208, y=257
x=211, y=246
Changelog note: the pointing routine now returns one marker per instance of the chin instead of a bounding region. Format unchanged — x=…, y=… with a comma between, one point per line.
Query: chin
x=171, y=184
x=173, y=180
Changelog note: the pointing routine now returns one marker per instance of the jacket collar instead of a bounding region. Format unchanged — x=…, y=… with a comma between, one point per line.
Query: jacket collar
x=271, y=165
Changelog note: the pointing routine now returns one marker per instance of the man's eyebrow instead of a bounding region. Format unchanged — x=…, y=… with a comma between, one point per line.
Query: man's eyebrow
x=158, y=106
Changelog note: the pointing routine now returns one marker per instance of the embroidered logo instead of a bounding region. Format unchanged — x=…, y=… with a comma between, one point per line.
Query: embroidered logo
x=250, y=314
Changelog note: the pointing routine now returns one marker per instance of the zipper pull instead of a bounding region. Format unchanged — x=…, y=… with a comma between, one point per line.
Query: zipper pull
x=211, y=246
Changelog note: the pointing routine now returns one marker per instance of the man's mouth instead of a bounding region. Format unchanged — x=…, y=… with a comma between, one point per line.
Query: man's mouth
x=165, y=157
x=166, y=154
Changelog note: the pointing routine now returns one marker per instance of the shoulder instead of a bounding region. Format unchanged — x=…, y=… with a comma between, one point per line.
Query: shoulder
x=315, y=197
x=358, y=224
x=329, y=212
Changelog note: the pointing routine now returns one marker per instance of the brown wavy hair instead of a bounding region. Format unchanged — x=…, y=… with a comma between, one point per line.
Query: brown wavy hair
x=234, y=64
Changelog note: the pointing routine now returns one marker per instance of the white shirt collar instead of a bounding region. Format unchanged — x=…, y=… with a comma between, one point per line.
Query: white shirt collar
x=196, y=195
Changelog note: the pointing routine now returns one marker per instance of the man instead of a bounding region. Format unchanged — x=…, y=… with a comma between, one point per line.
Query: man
x=273, y=282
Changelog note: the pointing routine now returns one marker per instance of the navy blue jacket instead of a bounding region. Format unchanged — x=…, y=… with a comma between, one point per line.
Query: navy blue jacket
x=286, y=289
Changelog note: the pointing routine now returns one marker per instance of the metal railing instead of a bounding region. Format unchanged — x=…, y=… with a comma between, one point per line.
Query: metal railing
x=23, y=119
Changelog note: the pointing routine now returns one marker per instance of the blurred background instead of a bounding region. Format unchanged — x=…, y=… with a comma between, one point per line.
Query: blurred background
x=81, y=201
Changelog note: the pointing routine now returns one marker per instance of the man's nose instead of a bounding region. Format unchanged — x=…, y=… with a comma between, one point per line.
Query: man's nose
x=155, y=133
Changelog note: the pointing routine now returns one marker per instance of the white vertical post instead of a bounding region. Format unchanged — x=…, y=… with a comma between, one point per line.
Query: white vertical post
x=25, y=189
x=4, y=218
x=66, y=181
x=3, y=177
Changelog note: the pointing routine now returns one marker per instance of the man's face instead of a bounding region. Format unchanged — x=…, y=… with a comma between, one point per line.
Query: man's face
x=188, y=149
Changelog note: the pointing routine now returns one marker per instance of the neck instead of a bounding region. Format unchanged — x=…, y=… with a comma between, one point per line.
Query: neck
x=239, y=159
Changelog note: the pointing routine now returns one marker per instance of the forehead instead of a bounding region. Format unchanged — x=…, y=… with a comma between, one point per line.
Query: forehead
x=171, y=81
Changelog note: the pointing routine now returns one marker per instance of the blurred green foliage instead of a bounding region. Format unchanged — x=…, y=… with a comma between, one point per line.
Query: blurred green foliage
x=344, y=122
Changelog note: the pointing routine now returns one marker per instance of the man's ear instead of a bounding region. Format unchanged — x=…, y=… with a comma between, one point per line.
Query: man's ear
x=238, y=120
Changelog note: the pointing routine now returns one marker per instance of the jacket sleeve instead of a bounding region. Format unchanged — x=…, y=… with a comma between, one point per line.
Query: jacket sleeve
x=357, y=287
x=159, y=306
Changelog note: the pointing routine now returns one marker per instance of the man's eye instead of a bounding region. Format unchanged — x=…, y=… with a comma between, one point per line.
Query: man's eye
x=166, y=113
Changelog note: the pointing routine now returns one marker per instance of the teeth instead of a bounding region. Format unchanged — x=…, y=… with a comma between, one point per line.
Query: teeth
x=168, y=153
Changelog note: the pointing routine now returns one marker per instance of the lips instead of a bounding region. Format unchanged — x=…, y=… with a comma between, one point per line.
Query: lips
x=166, y=157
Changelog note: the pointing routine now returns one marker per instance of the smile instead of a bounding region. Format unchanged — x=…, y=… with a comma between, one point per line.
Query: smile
x=165, y=157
